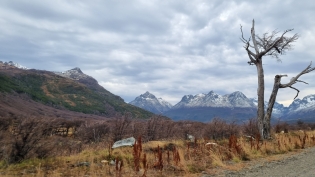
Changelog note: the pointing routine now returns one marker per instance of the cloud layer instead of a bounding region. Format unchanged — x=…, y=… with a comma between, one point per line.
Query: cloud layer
x=170, y=48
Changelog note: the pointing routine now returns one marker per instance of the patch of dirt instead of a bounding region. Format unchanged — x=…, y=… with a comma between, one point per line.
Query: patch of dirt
x=301, y=163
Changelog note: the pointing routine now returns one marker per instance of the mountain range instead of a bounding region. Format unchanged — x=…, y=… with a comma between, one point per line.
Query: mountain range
x=62, y=94
x=232, y=107
x=71, y=90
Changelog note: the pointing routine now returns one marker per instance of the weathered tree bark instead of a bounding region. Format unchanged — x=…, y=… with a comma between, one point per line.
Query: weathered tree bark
x=277, y=84
x=271, y=103
x=261, y=94
x=265, y=45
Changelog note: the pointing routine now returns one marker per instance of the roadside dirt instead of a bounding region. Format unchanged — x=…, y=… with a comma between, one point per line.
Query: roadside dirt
x=297, y=164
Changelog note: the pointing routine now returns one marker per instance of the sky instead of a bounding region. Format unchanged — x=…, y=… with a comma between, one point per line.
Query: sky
x=170, y=48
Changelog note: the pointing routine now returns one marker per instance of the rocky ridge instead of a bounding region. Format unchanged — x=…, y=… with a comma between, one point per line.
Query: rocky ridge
x=235, y=99
x=234, y=105
x=150, y=103
x=12, y=64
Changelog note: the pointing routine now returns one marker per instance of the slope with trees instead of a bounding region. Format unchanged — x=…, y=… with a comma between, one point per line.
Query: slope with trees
x=64, y=93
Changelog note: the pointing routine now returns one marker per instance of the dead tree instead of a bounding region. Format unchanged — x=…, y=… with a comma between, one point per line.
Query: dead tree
x=257, y=47
x=277, y=84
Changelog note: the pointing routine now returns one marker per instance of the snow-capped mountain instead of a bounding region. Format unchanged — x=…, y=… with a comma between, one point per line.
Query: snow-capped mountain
x=74, y=73
x=278, y=109
x=11, y=63
x=150, y=103
x=78, y=75
x=303, y=109
x=235, y=99
x=307, y=103
x=234, y=106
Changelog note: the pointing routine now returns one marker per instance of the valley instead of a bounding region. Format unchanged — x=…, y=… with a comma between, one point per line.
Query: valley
x=54, y=123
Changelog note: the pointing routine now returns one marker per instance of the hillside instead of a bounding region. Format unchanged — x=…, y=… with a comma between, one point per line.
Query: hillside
x=79, y=95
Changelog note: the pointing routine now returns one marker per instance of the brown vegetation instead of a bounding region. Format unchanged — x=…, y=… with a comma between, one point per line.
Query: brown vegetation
x=82, y=147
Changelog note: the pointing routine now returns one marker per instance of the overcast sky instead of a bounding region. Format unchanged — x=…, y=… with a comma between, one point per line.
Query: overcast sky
x=170, y=48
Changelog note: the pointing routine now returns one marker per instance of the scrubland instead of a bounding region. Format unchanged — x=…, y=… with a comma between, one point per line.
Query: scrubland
x=42, y=147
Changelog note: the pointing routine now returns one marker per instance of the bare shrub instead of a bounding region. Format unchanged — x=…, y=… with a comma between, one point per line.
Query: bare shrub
x=28, y=140
x=30, y=137
x=120, y=125
x=281, y=126
x=152, y=128
x=250, y=128
x=220, y=129
x=93, y=132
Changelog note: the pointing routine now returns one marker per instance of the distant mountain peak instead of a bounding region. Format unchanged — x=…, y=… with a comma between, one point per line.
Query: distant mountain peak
x=212, y=99
x=303, y=104
x=77, y=69
x=11, y=63
x=150, y=103
x=74, y=73
x=78, y=75
x=211, y=92
x=238, y=94
x=147, y=94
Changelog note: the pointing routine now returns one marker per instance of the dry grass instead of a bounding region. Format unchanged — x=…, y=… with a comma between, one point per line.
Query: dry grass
x=177, y=157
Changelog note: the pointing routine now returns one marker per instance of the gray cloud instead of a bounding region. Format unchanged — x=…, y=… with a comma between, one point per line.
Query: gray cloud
x=170, y=48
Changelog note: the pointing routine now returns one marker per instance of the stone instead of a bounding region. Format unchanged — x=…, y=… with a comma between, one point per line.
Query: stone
x=125, y=142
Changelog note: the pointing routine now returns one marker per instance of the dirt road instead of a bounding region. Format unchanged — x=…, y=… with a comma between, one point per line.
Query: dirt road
x=300, y=164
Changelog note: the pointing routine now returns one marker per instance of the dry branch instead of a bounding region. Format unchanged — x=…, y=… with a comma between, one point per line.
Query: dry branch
x=294, y=80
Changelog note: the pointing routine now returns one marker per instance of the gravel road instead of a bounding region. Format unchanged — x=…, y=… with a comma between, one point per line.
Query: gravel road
x=300, y=164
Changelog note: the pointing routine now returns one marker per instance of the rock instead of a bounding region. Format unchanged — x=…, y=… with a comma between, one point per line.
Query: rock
x=112, y=162
x=125, y=142
x=191, y=137
x=207, y=144
x=104, y=161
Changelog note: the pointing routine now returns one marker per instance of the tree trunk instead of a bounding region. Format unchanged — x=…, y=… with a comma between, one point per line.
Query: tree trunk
x=261, y=105
x=271, y=103
x=273, y=46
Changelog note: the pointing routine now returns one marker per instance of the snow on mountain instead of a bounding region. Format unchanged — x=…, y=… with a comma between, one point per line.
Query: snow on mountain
x=165, y=103
x=212, y=99
x=150, y=103
x=74, y=73
x=278, y=109
x=78, y=75
x=255, y=101
x=295, y=109
x=236, y=105
x=307, y=103
x=11, y=63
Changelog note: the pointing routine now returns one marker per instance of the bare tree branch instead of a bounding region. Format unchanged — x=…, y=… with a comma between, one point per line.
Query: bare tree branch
x=294, y=80
x=279, y=45
x=243, y=39
x=253, y=37
x=298, y=91
x=251, y=55
x=301, y=81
